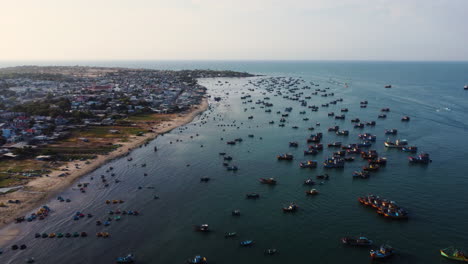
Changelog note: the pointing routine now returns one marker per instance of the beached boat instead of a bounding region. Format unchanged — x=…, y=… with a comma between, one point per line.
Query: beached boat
x=357, y=241
x=454, y=254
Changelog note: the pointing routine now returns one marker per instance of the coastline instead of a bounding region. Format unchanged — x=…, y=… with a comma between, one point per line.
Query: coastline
x=39, y=190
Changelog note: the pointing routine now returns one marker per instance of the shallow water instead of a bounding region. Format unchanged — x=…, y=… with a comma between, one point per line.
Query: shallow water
x=430, y=93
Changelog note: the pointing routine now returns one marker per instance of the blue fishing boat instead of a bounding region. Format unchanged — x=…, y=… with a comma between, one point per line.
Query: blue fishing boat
x=127, y=259
x=246, y=243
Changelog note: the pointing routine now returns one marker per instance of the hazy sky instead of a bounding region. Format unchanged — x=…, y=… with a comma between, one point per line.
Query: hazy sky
x=234, y=29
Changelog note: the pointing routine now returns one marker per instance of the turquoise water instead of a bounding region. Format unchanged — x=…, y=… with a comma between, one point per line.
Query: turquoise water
x=435, y=195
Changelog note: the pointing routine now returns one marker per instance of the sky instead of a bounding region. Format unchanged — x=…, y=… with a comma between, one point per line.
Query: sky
x=234, y=30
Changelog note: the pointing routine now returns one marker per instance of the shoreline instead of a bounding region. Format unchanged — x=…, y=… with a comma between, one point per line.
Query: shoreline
x=39, y=190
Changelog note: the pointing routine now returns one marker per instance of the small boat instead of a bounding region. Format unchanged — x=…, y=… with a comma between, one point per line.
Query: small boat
x=204, y=179
x=246, y=243
x=334, y=145
x=382, y=116
x=323, y=177
x=291, y=208
x=285, y=157
x=252, y=196
x=423, y=158
x=393, y=131
x=385, y=251
x=342, y=133
x=293, y=144
x=227, y=158
x=309, y=182
x=202, y=228
x=197, y=260
x=465, y=87
x=312, y=192
x=411, y=149
x=232, y=168
x=269, y=181
x=399, y=143
x=388, y=86
x=348, y=159
x=357, y=241
x=230, y=234
x=454, y=254
x=270, y=251
x=127, y=259
x=310, y=152
x=405, y=118
x=308, y=164
x=361, y=174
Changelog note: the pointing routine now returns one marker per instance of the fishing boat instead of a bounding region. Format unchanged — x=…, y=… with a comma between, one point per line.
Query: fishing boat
x=127, y=259
x=309, y=182
x=232, y=168
x=334, y=163
x=308, y=164
x=361, y=174
x=388, y=86
x=454, y=254
x=230, y=234
x=293, y=144
x=411, y=149
x=393, y=131
x=246, y=243
x=422, y=158
x=405, y=118
x=371, y=167
x=310, y=152
x=197, y=260
x=204, y=179
x=292, y=207
x=269, y=181
x=342, y=133
x=334, y=145
x=356, y=241
x=271, y=251
x=399, y=143
x=252, y=196
x=202, y=228
x=285, y=157
x=385, y=251
x=382, y=116
x=465, y=87
x=312, y=192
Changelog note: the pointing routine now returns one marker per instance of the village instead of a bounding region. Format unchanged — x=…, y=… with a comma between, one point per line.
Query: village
x=50, y=115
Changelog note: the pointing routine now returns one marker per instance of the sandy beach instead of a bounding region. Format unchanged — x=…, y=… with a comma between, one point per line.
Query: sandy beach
x=39, y=190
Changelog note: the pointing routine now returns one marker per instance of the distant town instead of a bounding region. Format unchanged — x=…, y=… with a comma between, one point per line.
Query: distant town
x=46, y=111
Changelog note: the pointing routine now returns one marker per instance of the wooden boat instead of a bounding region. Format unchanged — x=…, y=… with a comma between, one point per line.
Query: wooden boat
x=285, y=157
x=356, y=241
x=127, y=259
x=454, y=254
x=197, y=260
x=385, y=251
x=291, y=208
x=308, y=164
x=269, y=181
x=230, y=234
x=312, y=192
x=202, y=228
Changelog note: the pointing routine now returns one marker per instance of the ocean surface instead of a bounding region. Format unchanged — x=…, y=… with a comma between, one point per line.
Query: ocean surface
x=435, y=195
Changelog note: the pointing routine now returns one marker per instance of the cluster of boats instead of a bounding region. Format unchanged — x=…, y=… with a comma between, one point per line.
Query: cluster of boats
x=384, y=207
x=41, y=214
x=60, y=235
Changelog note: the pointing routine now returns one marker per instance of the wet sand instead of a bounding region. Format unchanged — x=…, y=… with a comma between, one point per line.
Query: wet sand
x=38, y=191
